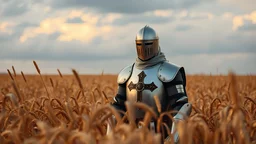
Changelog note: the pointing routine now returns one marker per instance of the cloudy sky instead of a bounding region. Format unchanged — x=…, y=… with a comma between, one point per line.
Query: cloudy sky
x=204, y=36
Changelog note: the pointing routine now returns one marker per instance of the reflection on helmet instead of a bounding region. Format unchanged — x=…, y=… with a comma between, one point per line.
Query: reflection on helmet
x=147, y=43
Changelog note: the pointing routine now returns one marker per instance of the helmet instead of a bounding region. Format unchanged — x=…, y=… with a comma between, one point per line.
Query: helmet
x=147, y=43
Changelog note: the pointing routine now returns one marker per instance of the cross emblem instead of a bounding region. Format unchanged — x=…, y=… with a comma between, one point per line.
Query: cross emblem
x=140, y=86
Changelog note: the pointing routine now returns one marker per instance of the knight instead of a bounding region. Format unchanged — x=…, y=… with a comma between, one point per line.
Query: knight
x=152, y=75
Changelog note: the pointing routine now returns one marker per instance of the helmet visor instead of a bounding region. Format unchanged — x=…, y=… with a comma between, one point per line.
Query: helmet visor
x=146, y=49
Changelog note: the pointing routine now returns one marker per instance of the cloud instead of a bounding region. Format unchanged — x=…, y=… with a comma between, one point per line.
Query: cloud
x=10, y=32
x=119, y=43
x=185, y=15
x=84, y=32
x=84, y=27
x=227, y=15
x=14, y=8
x=6, y=27
x=7, y=32
x=146, y=19
x=131, y=6
x=54, y=36
x=183, y=27
x=163, y=13
x=47, y=9
x=238, y=21
x=64, y=53
x=237, y=5
x=55, y=39
x=162, y=16
x=47, y=47
x=75, y=20
x=217, y=63
x=110, y=18
x=4, y=38
x=26, y=25
x=95, y=37
x=248, y=27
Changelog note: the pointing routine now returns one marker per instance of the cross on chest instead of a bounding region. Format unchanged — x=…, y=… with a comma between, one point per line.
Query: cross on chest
x=140, y=86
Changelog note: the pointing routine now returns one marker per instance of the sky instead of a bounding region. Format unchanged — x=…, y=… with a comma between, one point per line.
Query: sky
x=203, y=36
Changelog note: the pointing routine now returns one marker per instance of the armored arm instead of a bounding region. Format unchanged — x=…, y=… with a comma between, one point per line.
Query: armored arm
x=120, y=98
x=118, y=104
x=174, y=80
x=176, y=93
x=178, y=101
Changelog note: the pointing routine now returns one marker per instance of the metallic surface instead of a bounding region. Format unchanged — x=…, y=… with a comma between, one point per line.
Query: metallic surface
x=184, y=98
x=147, y=94
x=115, y=99
x=125, y=74
x=184, y=112
x=140, y=86
x=168, y=71
x=146, y=33
x=152, y=126
x=110, y=125
x=147, y=43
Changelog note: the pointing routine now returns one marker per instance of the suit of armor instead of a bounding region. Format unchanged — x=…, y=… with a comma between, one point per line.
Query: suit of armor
x=151, y=75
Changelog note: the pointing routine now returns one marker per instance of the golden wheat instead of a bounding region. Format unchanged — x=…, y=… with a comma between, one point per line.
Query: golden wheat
x=55, y=109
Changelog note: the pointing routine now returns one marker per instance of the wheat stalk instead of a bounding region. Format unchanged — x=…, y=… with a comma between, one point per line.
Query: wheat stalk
x=39, y=72
x=59, y=73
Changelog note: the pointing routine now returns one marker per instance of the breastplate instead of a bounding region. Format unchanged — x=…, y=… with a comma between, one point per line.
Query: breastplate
x=143, y=85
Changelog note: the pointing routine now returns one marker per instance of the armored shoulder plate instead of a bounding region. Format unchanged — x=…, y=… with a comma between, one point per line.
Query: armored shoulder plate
x=125, y=74
x=167, y=72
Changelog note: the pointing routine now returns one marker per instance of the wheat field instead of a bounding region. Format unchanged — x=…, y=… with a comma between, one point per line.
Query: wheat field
x=73, y=109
